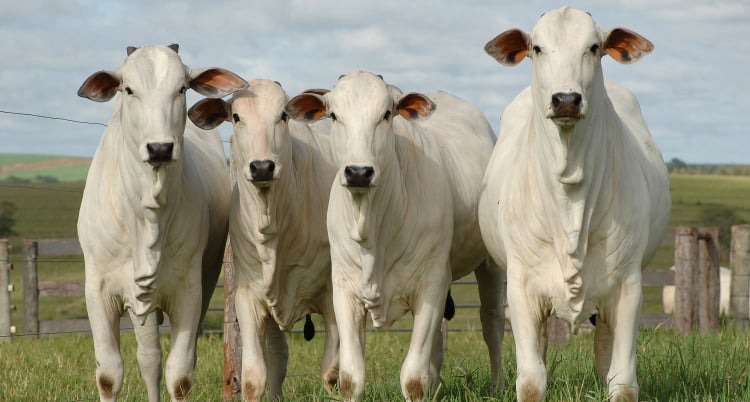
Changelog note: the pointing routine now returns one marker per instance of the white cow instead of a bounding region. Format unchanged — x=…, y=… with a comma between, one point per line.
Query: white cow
x=283, y=172
x=575, y=200
x=153, y=219
x=402, y=219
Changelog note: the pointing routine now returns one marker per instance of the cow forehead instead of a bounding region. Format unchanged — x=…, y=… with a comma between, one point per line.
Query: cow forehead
x=155, y=65
x=262, y=97
x=565, y=27
x=360, y=92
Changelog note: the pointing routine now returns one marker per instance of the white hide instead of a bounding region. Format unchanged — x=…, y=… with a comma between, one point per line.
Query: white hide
x=399, y=240
x=575, y=200
x=278, y=231
x=153, y=228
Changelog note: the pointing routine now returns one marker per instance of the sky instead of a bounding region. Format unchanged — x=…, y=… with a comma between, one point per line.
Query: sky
x=694, y=88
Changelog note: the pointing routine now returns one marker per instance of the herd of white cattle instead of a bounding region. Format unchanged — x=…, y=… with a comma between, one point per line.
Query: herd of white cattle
x=364, y=199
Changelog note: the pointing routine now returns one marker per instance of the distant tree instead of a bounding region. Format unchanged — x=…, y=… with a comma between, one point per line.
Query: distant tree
x=723, y=218
x=676, y=164
x=16, y=180
x=47, y=179
x=7, y=210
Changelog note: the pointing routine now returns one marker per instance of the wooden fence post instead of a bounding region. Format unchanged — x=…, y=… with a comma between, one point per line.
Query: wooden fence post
x=739, y=260
x=4, y=293
x=30, y=288
x=232, y=342
x=708, y=279
x=685, y=278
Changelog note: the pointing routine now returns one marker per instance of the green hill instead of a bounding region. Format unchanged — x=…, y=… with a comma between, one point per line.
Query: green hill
x=42, y=168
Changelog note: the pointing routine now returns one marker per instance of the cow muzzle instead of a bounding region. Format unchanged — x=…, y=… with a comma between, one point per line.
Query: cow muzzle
x=262, y=172
x=566, y=108
x=159, y=152
x=358, y=176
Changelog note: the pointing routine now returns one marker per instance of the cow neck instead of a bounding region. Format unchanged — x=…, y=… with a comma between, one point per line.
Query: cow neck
x=374, y=217
x=270, y=210
x=573, y=176
x=146, y=189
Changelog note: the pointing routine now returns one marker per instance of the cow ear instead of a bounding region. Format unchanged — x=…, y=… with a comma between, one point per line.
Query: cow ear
x=209, y=113
x=306, y=107
x=100, y=86
x=626, y=46
x=318, y=91
x=415, y=106
x=216, y=82
x=509, y=48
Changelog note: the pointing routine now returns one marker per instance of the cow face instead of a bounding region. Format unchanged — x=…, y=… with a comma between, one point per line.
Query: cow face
x=566, y=47
x=153, y=82
x=361, y=107
x=361, y=112
x=260, y=131
x=260, y=135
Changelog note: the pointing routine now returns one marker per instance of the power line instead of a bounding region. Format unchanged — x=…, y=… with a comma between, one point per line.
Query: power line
x=64, y=119
x=51, y=118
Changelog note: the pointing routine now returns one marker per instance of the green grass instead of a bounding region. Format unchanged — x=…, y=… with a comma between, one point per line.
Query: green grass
x=711, y=367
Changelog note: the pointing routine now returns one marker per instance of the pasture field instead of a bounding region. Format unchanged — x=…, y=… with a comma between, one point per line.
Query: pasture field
x=711, y=367
x=31, y=167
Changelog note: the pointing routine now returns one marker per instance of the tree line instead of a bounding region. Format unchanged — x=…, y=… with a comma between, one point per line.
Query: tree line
x=677, y=165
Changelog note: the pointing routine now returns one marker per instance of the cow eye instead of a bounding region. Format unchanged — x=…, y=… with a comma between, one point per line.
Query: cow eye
x=128, y=91
x=333, y=116
x=183, y=90
x=387, y=115
x=537, y=49
x=594, y=48
x=236, y=117
x=284, y=117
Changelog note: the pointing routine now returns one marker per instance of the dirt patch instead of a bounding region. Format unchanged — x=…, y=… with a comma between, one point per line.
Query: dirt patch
x=49, y=164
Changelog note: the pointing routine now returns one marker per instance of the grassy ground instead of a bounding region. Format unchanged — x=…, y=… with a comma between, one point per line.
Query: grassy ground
x=711, y=367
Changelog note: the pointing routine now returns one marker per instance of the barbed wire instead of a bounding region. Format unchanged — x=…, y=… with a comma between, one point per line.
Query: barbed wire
x=41, y=116
x=52, y=118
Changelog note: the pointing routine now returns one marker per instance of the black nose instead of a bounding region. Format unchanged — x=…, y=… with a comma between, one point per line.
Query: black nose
x=566, y=104
x=159, y=152
x=358, y=176
x=262, y=170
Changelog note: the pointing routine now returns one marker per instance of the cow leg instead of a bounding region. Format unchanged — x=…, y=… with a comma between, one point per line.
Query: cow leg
x=329, y=365
x=602, y=346
x=252, y=318
x=491, y=284
x=420, y=373
x=350, y=318
x=623, y=317
x=105, y=328
x=277, y=352
x=149, y=353
x=527, y=321
x=184, y=314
